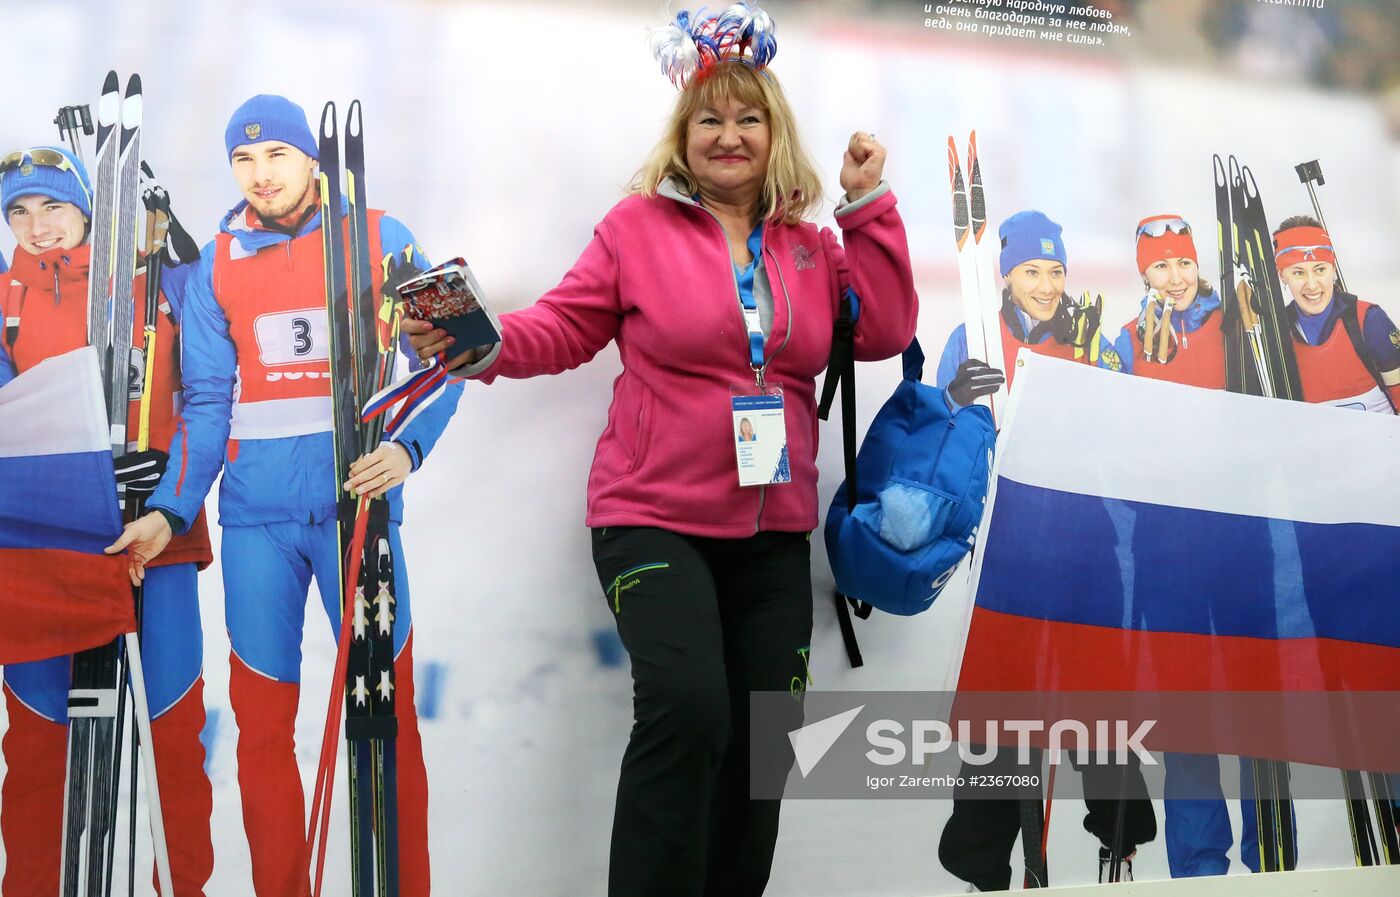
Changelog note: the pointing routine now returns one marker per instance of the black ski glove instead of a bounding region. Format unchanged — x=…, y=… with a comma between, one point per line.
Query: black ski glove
x=399, y=269
x=1091, y=314
x=974, y=380
x=180, y=247
x=1060, y=326
x=140, y=472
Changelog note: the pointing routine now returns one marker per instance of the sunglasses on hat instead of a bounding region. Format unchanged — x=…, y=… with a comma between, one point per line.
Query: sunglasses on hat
x=51, y=158
x=1309, y=252
x=1160, y=226
x=48, y=158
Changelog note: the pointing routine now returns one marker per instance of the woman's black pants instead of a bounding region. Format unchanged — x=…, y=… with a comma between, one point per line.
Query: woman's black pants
x=706, y=622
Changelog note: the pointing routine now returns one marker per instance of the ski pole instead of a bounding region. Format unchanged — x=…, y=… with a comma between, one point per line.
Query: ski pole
x=1094, y=347
x=180, y=248
x=131, y=804
x=109, y=846
x=155, y=233
x=319, y=824
x=1310, y=173
x=71, y=120
x=157, y=225
x=148, y=758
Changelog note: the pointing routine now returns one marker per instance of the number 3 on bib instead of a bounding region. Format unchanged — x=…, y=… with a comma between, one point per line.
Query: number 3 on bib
x=292, y=337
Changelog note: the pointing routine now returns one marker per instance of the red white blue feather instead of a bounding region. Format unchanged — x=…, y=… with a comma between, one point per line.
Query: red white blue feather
x=753, y=29
x=674, y=48
x=695, y=42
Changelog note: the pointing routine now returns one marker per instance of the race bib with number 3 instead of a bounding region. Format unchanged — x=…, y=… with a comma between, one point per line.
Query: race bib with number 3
x=292, y=337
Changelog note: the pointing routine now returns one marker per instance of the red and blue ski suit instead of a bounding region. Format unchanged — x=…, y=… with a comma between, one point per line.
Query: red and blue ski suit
x=45, y=311
x=1197, y=356
x=258, y=407
x=1329, y=366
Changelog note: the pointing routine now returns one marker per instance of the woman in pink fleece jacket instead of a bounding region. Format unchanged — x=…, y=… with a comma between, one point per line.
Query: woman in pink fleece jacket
x=709, y=580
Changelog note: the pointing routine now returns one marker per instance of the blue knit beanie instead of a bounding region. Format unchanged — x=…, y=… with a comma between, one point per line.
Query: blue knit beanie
x=66, y=184
x=269, y=117
x=1030, y=235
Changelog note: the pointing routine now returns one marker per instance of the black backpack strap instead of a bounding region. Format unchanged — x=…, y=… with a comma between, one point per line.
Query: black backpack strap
x=1351, y=320
x=848, y=629
x=842, y=356
x=841, y=369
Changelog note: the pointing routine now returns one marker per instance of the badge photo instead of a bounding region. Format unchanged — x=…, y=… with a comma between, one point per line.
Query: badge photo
x=760, y=438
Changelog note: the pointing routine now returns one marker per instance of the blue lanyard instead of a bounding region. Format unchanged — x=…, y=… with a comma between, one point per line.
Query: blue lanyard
x=744, y=280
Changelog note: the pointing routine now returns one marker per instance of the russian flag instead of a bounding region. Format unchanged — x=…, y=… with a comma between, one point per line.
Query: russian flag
x=58, y=509
x=1142, y=536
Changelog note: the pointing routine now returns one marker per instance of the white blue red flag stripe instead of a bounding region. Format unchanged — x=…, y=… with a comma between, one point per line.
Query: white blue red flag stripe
x=412, y=394
x=1142, y=535
x=58, y=508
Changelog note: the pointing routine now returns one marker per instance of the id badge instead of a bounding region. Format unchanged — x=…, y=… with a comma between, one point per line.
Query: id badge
x=759, y=431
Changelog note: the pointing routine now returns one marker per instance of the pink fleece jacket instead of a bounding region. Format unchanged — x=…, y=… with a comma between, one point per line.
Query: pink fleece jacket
x=657, y=277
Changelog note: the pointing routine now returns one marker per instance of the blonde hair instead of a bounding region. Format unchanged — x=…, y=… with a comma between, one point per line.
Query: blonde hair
x=791, y=188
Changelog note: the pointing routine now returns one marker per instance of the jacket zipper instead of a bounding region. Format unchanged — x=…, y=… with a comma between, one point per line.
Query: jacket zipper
x=744, y=327
x=787, y=302
x=738, y=297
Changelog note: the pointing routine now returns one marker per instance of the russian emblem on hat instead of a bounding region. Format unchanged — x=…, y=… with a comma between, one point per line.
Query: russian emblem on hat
x=253, y=130
x=1047, y=246
x=26, y=169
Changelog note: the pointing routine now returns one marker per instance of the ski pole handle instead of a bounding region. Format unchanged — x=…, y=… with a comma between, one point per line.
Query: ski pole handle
x=71, y=120
x=1310, y=173
x=181, y=246
x=1244, y=296
x=155, y=235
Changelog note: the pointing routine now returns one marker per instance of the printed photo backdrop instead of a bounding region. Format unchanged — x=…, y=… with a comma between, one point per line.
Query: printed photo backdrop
x=504, y=131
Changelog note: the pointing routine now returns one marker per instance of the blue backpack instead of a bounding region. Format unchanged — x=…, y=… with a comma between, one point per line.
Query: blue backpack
x=912, y=499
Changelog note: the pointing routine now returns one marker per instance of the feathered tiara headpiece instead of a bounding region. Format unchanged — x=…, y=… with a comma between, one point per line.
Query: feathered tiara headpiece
x=695, y=42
